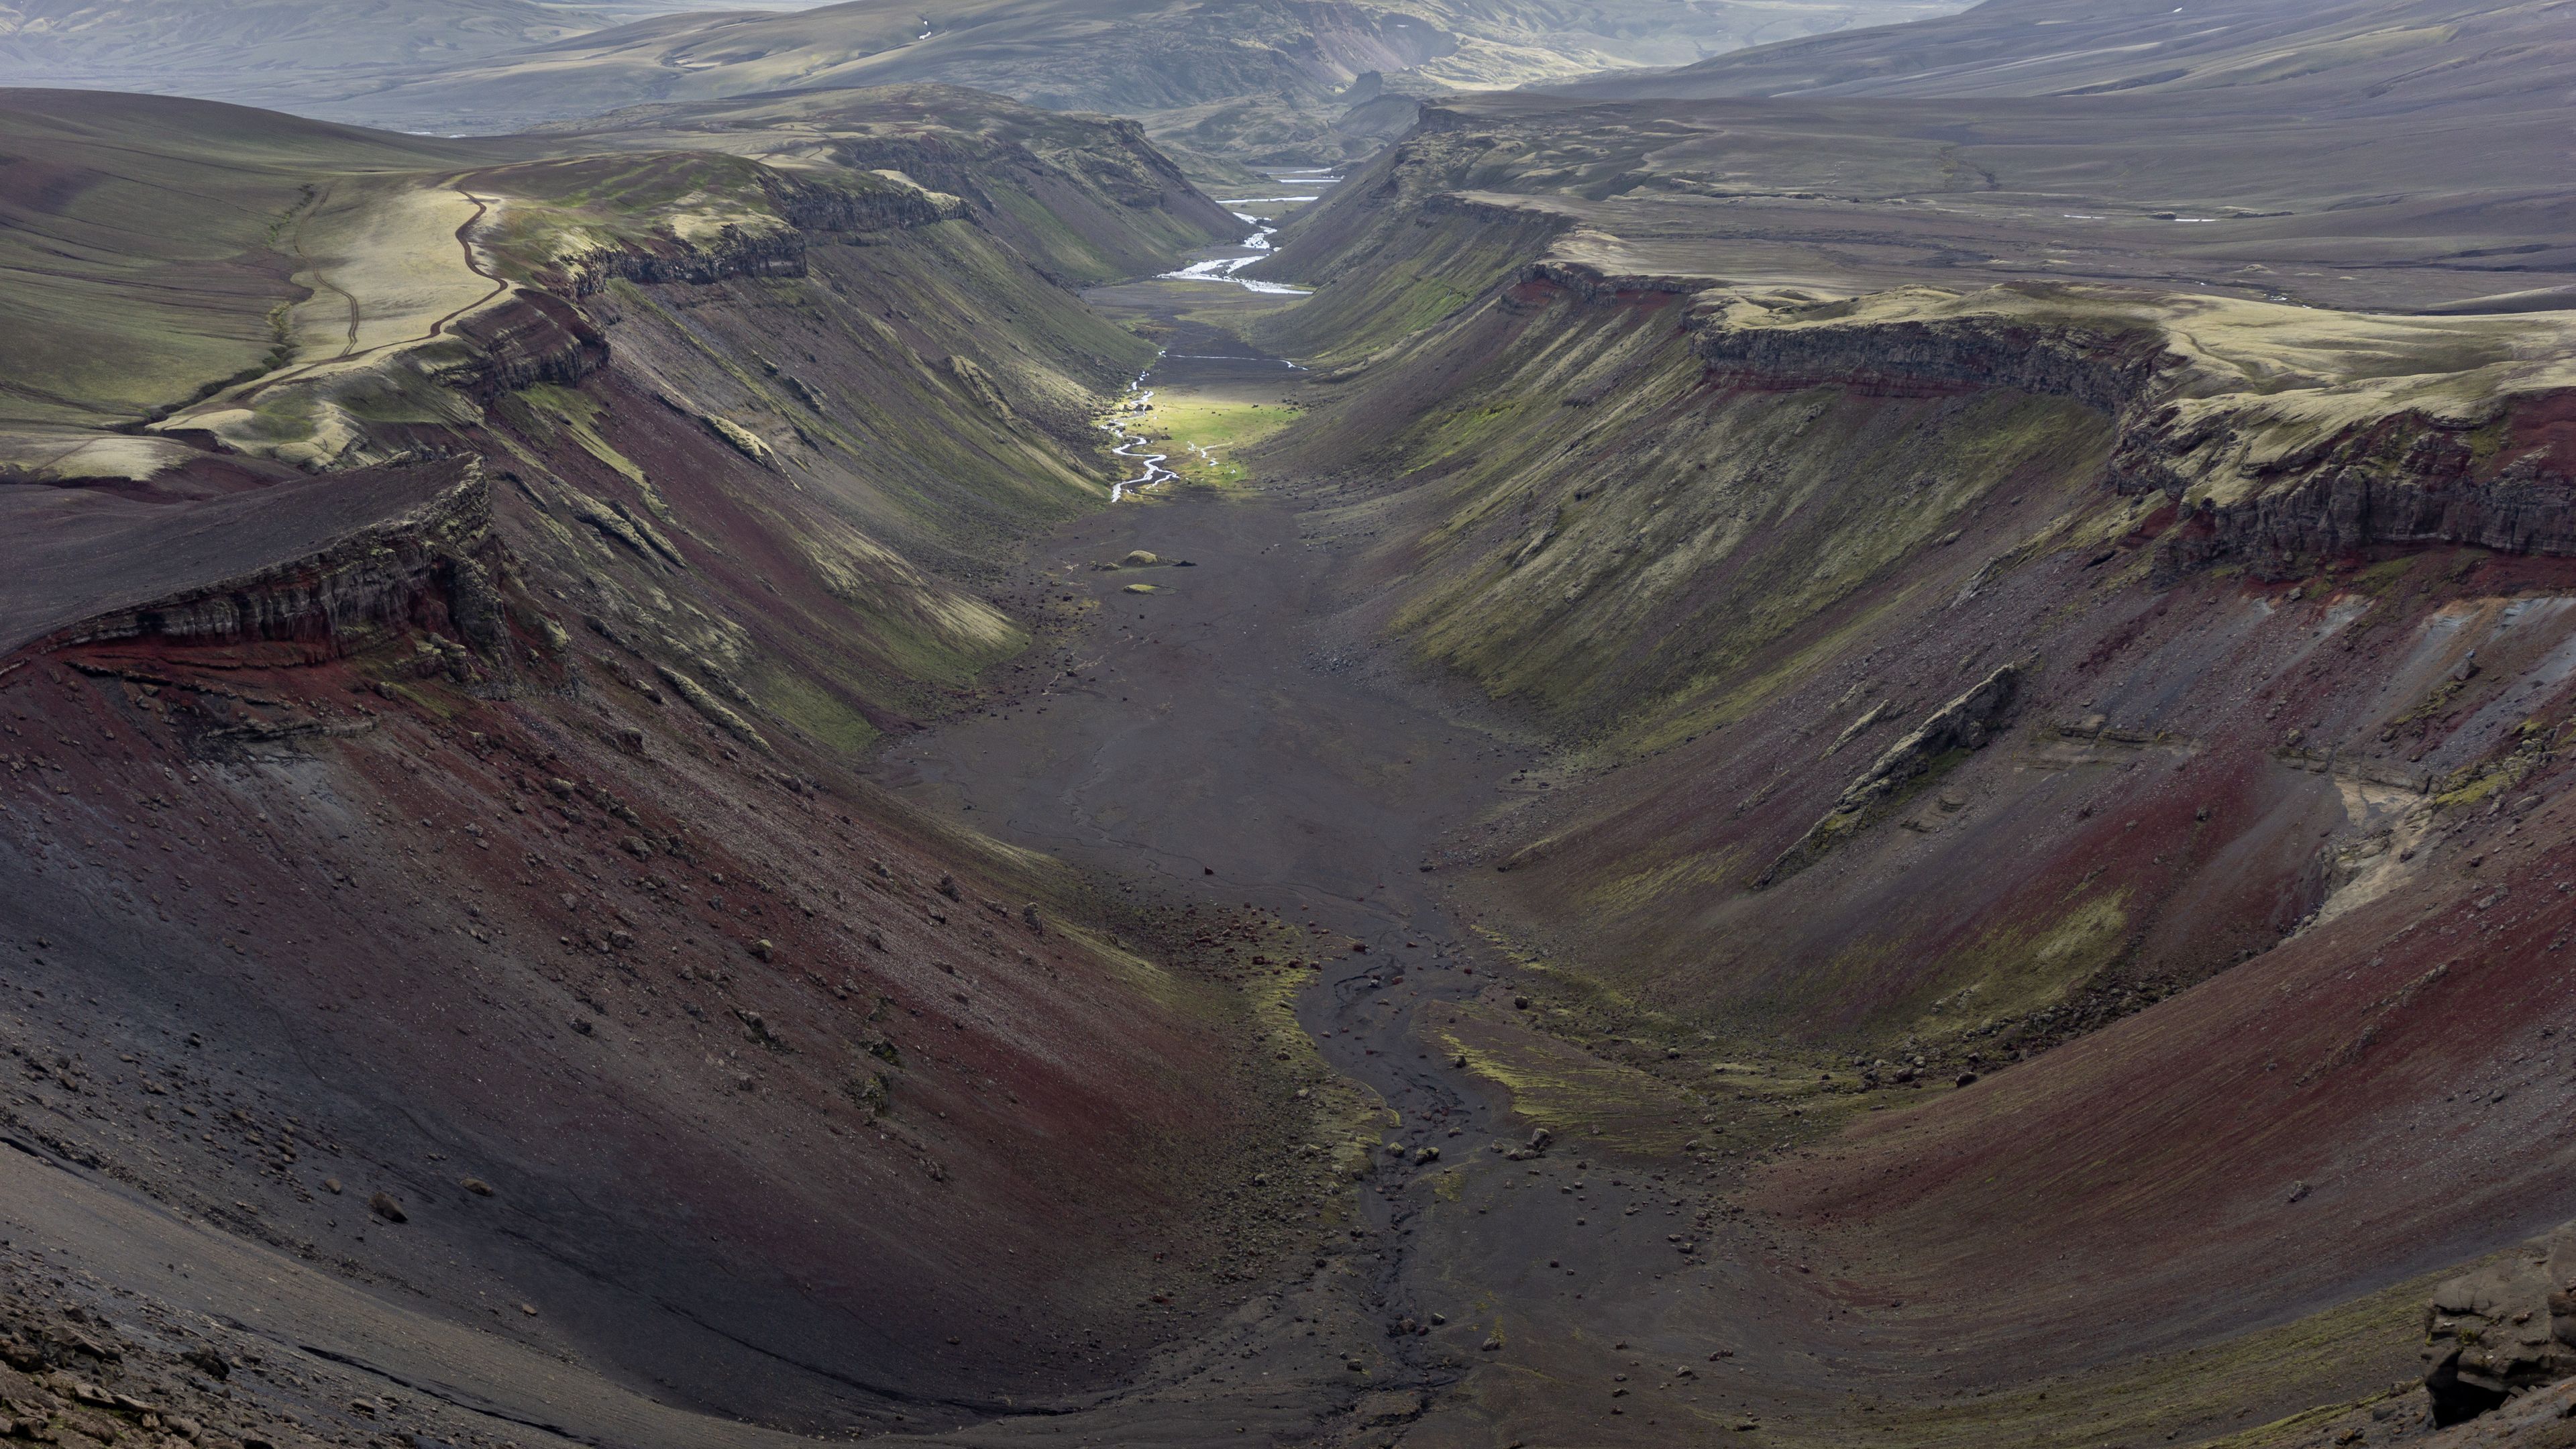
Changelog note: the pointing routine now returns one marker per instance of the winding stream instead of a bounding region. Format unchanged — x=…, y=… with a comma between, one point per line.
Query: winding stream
x=1138, y=399
x=1223, y=269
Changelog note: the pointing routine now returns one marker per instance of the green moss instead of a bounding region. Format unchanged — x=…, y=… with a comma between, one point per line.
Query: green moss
x=1415, y=276
x=1573, y=1094
x=2474, y=786
x=2138, y=1401
x=872, y=1093
x=1619, y=547
x=820, y=715
x=1640, y=885
x=577, y=414
x=2022, y=966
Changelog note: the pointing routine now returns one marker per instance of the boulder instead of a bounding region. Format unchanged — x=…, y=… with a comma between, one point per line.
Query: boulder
x=1964, y=724
x=2505, y=1326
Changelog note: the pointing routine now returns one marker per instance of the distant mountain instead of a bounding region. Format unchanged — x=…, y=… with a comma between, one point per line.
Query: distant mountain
x=53, y=41
x=2380, y=56
x=1251, y=78
x=286, y=53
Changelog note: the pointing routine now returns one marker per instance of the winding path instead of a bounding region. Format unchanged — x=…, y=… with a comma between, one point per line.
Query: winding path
x=350, y=351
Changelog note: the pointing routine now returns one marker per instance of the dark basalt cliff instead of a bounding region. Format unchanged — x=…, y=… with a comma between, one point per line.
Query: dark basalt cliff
x=734, y=253
x=2254, y=481
x=530, y=337
x=2112, y=368
x=430, y=565
x=2504, y=479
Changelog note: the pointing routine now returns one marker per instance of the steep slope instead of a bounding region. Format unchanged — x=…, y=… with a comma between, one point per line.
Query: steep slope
x=463, y=823
x=275, y=51
x=2095, y=726
x=1084, y=202
x=1918, y=746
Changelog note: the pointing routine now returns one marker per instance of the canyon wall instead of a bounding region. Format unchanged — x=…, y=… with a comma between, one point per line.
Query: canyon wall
x=2138, y=956
x=466, y=828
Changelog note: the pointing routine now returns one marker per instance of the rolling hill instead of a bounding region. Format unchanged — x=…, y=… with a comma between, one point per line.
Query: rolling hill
x=2382, y=57
x=1298, y=81
x=281, y=53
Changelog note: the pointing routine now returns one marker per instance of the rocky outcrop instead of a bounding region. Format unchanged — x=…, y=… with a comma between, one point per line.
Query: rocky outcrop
x=2103, y=366
x=2260, y=476
x=931, y=161
x=741, y=439
x=759, y=246
x=2403, y=477
x=2501, y=1329
x=889, y=207
x=1117, y=162
x=1965, y=723
x=1592, y=284
x=717, y=711
x=980, y=386
x=530, y=337
x=374, y=577
x=734, y=252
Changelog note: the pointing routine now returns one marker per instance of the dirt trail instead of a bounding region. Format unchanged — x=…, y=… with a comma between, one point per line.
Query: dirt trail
x=349, y=350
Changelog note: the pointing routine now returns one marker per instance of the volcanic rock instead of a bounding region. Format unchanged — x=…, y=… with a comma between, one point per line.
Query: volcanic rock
x=2502, y=1328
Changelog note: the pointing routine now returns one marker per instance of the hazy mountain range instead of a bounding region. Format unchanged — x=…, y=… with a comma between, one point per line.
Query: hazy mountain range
x=1240, y=77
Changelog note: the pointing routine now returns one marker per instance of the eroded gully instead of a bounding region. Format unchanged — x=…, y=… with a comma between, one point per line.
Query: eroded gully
x=1234, y=738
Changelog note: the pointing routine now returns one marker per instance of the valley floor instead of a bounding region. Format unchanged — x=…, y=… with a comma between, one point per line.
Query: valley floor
x=1231, y=739
x=1220, y=734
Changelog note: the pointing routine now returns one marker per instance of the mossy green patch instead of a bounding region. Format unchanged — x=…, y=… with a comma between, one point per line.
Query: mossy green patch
x=1586, y=1099
x=1645, y=570
x=2017, y=967
x=576, y=413
x=1205, y=432
x=2139, y=1401
x=821, y=715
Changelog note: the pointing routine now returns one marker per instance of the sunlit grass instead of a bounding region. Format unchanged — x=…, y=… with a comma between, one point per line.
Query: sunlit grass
x=1203, y=434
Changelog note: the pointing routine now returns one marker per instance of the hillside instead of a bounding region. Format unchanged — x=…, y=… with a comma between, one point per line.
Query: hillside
x=2381, y=57
x=1996, y=576
x=485, y=605
x=1804, y=768
x=1247, y=79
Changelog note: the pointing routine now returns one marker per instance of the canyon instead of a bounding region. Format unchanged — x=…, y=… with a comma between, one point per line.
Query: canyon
x=1801, y=750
